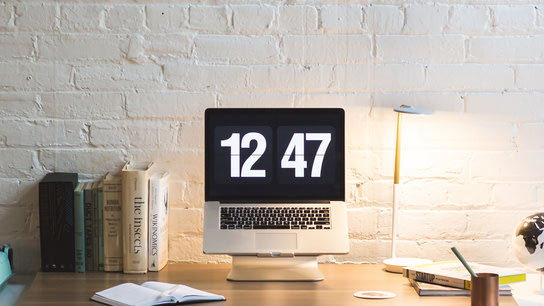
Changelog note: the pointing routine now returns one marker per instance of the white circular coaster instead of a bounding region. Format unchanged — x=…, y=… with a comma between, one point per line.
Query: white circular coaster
x=371, y=294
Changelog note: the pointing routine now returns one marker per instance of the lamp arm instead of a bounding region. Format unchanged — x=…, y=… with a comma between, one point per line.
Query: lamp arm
x=396, y=189
x=397, y=150
x=394, y=212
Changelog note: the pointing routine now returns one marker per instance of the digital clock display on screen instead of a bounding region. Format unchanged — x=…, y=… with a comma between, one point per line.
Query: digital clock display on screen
x=274, y=155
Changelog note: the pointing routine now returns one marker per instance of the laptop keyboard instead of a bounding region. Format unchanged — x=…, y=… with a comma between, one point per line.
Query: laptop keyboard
x=262, y=217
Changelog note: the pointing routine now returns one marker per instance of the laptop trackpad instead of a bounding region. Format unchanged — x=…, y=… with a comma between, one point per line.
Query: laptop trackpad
x=276, y=241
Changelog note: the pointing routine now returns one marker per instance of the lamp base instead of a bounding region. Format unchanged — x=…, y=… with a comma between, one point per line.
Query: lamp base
x=395, y=265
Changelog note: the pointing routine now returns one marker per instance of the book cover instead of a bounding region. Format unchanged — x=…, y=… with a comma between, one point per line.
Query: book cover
x=56, y=214
x=134, y=199
x=113, y=235
x=454, y=274
x=158, y=221
x=427, y=289
x=79, y=225
x=153, y=293
x=6, y=269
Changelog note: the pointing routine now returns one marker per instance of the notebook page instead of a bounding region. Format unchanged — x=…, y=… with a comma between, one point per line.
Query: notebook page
x=127, y=294
x=183, y=293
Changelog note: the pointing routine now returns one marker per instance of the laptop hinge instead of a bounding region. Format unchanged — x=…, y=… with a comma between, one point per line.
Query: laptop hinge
x=275, y=254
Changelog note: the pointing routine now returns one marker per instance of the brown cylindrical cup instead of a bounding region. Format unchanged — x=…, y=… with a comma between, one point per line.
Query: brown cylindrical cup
x=484, y=289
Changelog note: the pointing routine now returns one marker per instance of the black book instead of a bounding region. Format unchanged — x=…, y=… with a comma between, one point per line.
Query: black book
x=56, y=204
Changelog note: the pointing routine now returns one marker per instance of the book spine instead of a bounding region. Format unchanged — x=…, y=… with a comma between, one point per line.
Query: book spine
x=134, y=217
x=436, y=279
x=158, y=222
x=56, y=212
x=44, y=213
x=100, y=224
x=88, y=210
x=79, y=224
x=507, y=279
x=113, y=237
x=94, y=225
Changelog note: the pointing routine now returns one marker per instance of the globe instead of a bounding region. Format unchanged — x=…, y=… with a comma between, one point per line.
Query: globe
x=529, y=241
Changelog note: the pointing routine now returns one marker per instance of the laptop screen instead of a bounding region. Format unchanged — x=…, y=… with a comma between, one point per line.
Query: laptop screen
x=274, y=155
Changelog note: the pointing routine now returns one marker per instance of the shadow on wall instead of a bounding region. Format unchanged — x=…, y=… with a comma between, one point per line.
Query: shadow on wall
x=20, y=229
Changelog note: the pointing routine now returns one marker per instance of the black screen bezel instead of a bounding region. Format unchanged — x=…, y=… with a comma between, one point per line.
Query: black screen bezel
x=275, y=117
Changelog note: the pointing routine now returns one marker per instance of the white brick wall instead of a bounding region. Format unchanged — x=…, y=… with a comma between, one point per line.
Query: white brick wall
x=341, y=18
x=87, y=85
x=297, y=19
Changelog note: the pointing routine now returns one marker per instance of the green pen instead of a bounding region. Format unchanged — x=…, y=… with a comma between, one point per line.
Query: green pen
x=463, y=261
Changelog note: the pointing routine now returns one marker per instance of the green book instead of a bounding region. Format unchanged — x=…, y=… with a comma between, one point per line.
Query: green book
x=79, y=227
x=89, y=233
x=100, y=223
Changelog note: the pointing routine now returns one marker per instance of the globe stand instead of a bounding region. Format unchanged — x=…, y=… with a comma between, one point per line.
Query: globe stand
x=541, y=271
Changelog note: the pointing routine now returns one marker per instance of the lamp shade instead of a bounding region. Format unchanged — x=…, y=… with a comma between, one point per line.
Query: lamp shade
x=407, y=109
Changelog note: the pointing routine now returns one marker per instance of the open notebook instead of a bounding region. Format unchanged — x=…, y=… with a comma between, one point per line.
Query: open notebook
x=152, y=293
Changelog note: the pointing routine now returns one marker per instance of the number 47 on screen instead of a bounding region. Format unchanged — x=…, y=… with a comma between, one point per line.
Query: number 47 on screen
x=293, y=157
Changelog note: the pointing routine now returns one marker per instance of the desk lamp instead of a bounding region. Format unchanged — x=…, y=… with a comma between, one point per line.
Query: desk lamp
x=395, y=264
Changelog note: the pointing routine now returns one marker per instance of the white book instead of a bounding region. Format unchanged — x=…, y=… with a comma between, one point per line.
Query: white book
x=158, y=221
x=134, y=198
x=152, y=293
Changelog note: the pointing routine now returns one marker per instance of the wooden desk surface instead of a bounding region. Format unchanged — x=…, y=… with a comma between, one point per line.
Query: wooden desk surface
x=341, y=281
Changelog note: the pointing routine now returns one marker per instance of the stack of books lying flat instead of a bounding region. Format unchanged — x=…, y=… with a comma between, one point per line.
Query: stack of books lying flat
x=452, y=278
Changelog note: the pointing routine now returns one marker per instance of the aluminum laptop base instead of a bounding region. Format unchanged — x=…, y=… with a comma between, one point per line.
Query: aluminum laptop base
x=256, y=268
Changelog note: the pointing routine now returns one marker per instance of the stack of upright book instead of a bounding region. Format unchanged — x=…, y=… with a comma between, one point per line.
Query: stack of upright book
x=117, y=223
